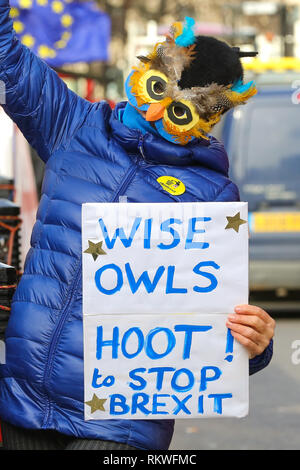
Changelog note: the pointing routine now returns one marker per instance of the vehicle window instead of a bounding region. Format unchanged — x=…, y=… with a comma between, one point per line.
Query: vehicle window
x=267, y=148
x=274, y=143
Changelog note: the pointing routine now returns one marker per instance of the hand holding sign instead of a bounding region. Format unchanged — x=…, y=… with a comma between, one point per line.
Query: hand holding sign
x=252, y=327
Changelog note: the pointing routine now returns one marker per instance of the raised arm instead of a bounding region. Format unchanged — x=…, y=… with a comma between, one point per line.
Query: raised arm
x=36, y=99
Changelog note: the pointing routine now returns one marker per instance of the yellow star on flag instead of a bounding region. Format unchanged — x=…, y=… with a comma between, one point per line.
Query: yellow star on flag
x=18, y=27
x=235, y=222
x=57, y=6
x=25, y=3
x=45, y=51
x=96, y=403
x=66, y=35
x=60, y=44
x=14, y=12
x=28, y=40
x=66, y=20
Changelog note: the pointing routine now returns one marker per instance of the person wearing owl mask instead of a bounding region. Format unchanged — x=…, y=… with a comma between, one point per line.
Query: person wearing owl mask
x=156, y=147
x=181, y=89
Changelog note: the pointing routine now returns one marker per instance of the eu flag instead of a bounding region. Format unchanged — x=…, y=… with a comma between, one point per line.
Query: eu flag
x=62, y=31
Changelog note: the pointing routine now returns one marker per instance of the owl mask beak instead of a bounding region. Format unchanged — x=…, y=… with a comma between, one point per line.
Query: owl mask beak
x=155, y=112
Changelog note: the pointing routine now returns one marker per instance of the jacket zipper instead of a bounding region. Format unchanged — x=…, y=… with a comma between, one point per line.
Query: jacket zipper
x=54, y=342
x=130, y=174
x=129, y=177
x=64, y=314
x=140, y=147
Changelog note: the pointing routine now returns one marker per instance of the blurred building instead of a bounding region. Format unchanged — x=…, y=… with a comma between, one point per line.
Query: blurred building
x=272, y=28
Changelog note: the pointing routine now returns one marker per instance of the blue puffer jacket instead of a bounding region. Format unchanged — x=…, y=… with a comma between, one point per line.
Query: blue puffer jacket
x=90, y=156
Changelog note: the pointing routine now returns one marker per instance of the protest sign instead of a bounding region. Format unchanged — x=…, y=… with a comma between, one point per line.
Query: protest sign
x=158, y=283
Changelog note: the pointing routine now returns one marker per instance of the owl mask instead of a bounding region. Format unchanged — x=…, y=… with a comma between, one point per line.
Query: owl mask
x=187, y=82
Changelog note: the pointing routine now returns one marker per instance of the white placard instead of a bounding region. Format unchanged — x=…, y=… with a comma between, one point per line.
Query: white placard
x=158, y=283
x=164, y=258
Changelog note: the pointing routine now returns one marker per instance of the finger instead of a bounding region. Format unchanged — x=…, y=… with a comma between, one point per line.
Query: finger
x=253, y=310
x=251, y=320
x=261, y=341
x=246, y=332
x=252, y=348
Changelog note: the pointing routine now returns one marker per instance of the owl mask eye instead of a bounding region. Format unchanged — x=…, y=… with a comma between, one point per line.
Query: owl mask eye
x=153, y=85
x=181, y=114
x=156, y=87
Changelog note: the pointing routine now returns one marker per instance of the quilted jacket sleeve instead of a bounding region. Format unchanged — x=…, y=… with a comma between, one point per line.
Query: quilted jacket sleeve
x=230, y=193
x=36, y=99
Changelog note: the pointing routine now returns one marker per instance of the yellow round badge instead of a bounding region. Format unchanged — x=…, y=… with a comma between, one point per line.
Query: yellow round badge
x=172, y=185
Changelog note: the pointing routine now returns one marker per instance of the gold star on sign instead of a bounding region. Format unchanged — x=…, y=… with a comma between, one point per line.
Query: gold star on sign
x=95, y=249
x=235, y=222
x=96, y=403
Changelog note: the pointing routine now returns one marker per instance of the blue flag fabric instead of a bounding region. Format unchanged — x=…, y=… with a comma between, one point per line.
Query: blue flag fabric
x=62, y=31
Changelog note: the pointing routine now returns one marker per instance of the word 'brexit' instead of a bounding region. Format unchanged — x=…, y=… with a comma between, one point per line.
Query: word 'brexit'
x=146, y=405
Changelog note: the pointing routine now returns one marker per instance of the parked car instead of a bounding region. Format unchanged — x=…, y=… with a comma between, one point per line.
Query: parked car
x=263, y=143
